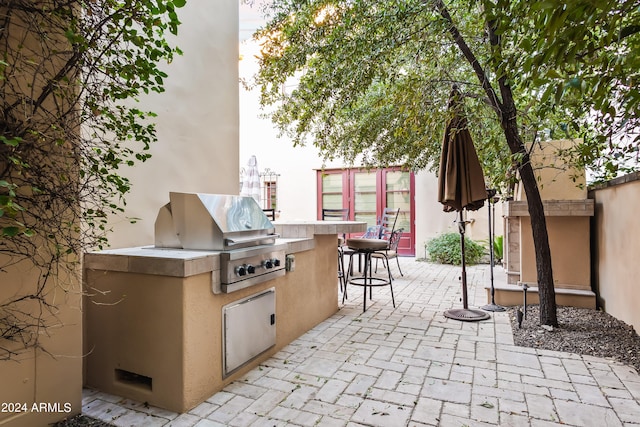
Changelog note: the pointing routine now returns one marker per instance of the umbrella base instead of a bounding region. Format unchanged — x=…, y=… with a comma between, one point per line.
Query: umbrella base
x=493, y=307
x=466, y=314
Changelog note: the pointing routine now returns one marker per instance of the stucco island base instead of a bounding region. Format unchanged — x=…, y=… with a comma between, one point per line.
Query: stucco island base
x=153, y=326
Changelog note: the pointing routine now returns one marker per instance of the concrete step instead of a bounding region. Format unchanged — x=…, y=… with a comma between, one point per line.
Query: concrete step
x=511, y=295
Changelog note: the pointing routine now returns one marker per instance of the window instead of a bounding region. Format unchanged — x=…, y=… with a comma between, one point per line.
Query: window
x=270, y=197
x=269, y=189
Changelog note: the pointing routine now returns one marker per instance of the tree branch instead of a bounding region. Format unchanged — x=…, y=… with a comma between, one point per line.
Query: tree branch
x=494, y=101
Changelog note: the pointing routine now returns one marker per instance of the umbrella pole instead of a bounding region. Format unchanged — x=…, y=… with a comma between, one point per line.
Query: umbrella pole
x=461, y=229
x=492, y=227
x=465, y=313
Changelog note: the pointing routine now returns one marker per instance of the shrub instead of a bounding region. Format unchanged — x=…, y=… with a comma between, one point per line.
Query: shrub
x=445, y=249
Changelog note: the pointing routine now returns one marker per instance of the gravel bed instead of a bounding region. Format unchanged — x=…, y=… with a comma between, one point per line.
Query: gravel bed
x=81, y=421
x=581, y=330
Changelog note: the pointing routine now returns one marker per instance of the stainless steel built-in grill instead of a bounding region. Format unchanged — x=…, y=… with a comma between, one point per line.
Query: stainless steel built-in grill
x=238, y=228
x=234, y=225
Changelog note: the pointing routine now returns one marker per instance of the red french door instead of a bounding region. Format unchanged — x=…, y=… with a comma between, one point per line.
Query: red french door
x=367, y=193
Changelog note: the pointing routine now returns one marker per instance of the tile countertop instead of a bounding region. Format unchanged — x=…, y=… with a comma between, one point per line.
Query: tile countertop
x=296, y=236
x=297, y=229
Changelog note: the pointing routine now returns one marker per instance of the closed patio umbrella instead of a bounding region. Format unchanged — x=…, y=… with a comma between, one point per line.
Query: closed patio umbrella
x=460, y=186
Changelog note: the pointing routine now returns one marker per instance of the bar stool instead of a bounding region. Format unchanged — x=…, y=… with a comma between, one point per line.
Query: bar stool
x=340, y=215
x=367, y=247
x=342, y=277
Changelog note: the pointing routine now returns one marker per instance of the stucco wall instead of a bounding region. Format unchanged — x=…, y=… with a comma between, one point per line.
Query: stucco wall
x=197, y=123
x=569, y=244
x=616, y=245
x=51, y=374
x=197, y=150
x=561, y=189
x=198, y=119
x=556, y=179
x=42, y=383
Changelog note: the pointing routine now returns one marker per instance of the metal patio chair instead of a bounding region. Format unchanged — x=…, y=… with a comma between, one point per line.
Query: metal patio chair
x=391, y=251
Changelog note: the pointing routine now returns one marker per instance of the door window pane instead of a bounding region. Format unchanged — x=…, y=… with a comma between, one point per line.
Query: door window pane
x=365, y=199
x=365, y=182
x=398, y=200
x=332, y=183
x=332, y=201
x=404, y=222
x=398, y=195
x=398, y=181
x=369, y=218
x=365, y=202
x=332, y=191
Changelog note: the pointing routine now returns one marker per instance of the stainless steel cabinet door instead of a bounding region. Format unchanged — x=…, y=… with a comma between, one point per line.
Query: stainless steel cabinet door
x=249, y=329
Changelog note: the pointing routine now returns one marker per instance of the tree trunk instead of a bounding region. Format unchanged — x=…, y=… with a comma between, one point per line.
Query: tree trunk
x=505, y=108
x=546, y=290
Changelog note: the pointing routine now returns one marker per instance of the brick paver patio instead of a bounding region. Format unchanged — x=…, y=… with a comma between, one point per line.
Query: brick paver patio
x=408, y=366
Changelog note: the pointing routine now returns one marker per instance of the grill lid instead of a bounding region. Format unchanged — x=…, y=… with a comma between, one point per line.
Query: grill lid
x=214, y=222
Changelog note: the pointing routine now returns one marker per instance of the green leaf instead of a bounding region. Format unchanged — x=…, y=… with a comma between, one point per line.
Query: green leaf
x=12, y=142
x=10, y=231
x=554, y=74
x=179, y=3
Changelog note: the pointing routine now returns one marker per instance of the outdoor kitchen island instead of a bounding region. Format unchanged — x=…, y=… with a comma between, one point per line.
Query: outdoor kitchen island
x=154, y=323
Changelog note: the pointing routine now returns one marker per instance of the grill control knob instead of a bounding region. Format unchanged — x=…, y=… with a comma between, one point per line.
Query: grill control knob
x=251, y=269
x=276, y=262
x=267, y=263
x=241, y=270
